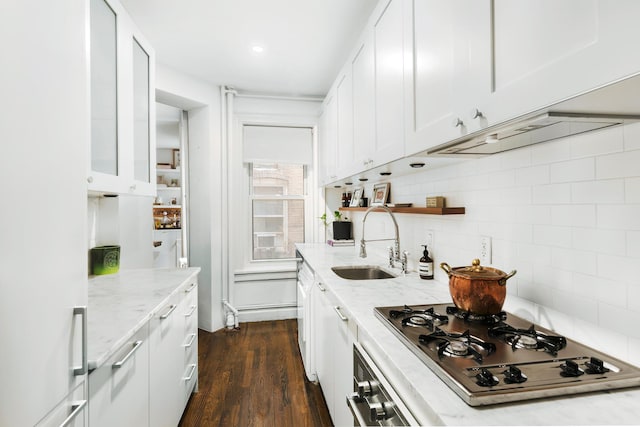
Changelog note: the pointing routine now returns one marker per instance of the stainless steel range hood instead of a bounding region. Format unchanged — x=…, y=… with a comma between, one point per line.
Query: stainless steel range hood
x=607, y=106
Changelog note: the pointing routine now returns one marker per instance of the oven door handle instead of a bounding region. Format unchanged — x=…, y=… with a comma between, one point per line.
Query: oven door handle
x=351, y=402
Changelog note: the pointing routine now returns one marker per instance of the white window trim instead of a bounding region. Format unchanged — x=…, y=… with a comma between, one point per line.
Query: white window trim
x=240, y=256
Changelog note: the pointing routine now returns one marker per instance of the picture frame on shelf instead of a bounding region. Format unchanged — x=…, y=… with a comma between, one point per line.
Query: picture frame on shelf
x=380, y=194
x=355, y=199
x=176, y=158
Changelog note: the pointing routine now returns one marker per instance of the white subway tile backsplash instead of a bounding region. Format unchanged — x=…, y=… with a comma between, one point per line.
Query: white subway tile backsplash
x=607, y=191
x=572, y=171
x=574, y=215
x=633, y=300
x=532, y=215
x=621, y=165
x=622, y=269
x=596, y=143
x=619, y=320
x=633, y=244
x=535, y=175
x=619, y=217
x=613, y=242
x=632, y=136
x=632, y=189
x=574, y=260
x=552, y=194
x=551, y=235
x=550, y=152
x=608, y=291
x=580, y=306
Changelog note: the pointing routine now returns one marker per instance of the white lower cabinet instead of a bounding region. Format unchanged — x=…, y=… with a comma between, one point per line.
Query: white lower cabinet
x=173, y=362
x=118, y=389
x=148, y=381
x=335, y=334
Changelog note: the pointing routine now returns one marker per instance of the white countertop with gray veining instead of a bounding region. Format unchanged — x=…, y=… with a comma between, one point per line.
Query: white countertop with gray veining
x=120, y=304
x=429, y=398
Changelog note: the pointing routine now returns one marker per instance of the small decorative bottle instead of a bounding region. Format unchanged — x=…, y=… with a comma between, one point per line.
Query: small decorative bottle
x=426, y=265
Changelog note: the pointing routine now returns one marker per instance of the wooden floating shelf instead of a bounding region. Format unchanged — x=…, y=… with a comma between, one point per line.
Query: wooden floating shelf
x=412, y=210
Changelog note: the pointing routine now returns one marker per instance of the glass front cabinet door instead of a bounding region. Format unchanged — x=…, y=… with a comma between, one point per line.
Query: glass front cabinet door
x=122, y=149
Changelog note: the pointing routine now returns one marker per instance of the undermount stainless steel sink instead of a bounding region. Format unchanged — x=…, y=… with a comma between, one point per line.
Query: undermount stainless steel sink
x=362, y=272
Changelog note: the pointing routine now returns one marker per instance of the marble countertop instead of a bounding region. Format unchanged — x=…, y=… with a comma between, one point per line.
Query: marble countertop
x=429, y=398
x=120, y=304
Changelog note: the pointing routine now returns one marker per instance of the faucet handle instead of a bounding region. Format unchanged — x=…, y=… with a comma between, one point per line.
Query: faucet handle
x=391, y=255
x=405, y=261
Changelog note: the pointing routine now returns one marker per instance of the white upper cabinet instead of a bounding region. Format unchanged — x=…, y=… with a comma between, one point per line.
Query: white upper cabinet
x=546, y=51
x=344, y=105
x=388, y=40
x=364, y=113
x=328, y=140
x=122, y=149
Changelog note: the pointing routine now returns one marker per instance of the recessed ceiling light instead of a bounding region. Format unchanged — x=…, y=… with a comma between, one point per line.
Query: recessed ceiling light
x=257, y=48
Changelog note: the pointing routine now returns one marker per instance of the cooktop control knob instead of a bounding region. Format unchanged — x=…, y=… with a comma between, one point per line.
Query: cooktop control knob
x=367, y=388
x=486, y=379
x=595, y=366
x=379, y=410
x=570, y=369
x=513, y=375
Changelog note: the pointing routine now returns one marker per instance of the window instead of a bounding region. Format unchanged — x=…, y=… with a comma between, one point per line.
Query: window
x=277, y=206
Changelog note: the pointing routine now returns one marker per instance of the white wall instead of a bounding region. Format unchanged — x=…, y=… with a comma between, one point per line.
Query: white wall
x=202, y=101
x=565, y=214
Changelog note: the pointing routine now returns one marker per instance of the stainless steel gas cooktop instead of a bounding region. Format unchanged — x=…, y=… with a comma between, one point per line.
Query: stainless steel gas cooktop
x=502, y=358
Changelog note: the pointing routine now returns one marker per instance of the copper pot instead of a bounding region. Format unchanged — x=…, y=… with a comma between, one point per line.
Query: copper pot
x=477, y=289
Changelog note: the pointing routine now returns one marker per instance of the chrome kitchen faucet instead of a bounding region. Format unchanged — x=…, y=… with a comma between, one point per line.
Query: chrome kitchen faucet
x=394, y=252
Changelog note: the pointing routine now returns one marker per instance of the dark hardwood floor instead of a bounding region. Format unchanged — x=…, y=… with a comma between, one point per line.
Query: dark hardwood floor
x=254, y=377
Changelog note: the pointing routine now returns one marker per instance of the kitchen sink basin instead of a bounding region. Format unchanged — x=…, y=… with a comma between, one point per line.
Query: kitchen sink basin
x=362, y=272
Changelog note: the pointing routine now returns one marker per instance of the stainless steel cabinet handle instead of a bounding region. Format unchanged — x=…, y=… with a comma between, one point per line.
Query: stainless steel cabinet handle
x=322, y=288
x=351, y=401
x=193, y=309
x=340, y=315
x=121, y=362
x=82, y=311
x=168, y=313
x=188, y=377
x=76, y=408
x=190, y=343
x=190, y=288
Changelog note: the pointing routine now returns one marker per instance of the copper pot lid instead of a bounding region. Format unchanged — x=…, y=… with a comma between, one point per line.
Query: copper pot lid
x=476, y=272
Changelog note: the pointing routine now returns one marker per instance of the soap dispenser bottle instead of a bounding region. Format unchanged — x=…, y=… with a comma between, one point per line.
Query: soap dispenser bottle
x=426, y=265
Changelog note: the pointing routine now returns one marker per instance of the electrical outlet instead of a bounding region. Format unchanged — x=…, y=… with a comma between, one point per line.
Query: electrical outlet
x=485, y=250
x=429, y=239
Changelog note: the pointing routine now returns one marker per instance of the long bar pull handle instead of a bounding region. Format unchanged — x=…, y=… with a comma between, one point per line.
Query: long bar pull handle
x=190, y=288
x=76, y=408
x=193, y=309
x=351, y=402
x=168, y=313
x=340, y=315
x=82, y=311
x=122, y=361
x=193, y=370
x=190, y=343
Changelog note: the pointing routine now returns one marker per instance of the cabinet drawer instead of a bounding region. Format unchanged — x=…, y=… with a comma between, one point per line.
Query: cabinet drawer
x=116, y=388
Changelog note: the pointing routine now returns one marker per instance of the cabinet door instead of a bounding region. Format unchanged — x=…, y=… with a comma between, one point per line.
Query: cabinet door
x=328, y=135
x=364, y=113
x=431, y=116
x=45, y=127
x=389, y=84
x=118, y=390
x=343, y=363
x=325, y=327
x=122, y=148
x=560, y=49
x=166, y=365
x=344, y=103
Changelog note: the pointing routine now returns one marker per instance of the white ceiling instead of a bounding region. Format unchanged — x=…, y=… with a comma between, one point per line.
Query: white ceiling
x=305, y=41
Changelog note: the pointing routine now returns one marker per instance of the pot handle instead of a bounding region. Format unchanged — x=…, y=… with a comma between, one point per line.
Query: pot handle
x=447, y=269
x=503, y=281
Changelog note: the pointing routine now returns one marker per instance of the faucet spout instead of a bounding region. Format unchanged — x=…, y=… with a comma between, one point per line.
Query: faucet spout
x=396, y=245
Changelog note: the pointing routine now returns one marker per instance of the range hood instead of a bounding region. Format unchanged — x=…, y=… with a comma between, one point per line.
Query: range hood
x=607, y=106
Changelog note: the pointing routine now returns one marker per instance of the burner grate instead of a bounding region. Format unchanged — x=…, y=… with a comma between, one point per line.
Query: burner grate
x=458, y=344
x=528, y=338
x=486, y=319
